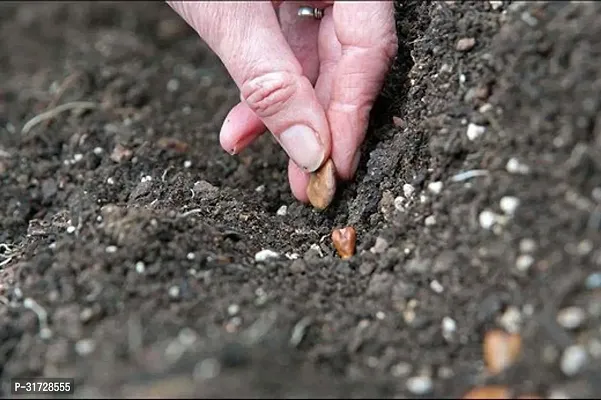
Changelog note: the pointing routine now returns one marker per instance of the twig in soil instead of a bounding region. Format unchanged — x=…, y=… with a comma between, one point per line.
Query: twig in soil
x=31, y=304
x=463, y=176
x=82, y=105
x=165, y=173
x=190, y=212
x=67, y=83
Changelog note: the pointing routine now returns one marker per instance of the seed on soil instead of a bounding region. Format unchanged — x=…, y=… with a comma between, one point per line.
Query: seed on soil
x=435, y=187
x=282, y=211
x=419, y=385
x=488, y=392
x=573, y=359
x=524, y=262
x=344, y=241
x=474, y=131
x=501, y=350
x=169, y=143
x=514, y=166
x=465, y=44
x=571, y=317
x=265, y=255
x=509, y=204
x=322, y=186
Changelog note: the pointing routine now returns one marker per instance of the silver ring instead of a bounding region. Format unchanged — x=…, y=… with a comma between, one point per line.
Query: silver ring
x=306, y=11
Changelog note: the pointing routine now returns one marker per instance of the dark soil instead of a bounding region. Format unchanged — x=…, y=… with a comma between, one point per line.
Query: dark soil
x=150, y=285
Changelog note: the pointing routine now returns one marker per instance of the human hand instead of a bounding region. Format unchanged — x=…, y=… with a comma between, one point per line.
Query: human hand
x=311, y=83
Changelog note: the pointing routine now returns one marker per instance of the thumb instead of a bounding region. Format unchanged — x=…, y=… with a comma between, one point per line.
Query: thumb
x=247, y=38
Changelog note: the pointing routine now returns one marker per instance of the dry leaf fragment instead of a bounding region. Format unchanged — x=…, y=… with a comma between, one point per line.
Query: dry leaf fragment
x=488, y=392
x=501, y=349
x=344, y=241
x=322, y=186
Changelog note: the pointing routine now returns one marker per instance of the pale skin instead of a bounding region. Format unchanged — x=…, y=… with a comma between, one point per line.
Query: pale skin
x=311, y=83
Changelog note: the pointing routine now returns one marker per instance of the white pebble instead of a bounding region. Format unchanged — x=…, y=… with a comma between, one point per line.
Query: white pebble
x=484, y=108
x=233, y=309
x=527, y=245
x=110, y=181
x=487, y=219
x=436, y=286
x=516, y=167
x=449, y=326
x=399, y=203
x=174, y=292
x=524, y=262
x=511, y=320
x=190, y=256
x=266, y=254
x=77, y=157
x=571, y=317
x=380, y=246
x=140, y=267
x=435, y=187
x=292, y=256
x=419, y=385
x=283, y=210
x=172, y=85
x=408, y=190
x=84, y=347
x=260, y=189
x=98, y=150
x=474, y=131
x=187, y=164
x=572, y=360
x=509, y=204
x=71, y=229
x=496, y=4
x=430, y=220
x=423, y=199
x=111, y=249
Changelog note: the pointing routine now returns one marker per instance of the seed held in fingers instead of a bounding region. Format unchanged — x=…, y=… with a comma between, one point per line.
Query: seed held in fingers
x=322, y=186
x=344, y=241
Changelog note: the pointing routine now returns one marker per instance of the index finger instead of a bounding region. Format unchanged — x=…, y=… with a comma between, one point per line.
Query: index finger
x=367, y=35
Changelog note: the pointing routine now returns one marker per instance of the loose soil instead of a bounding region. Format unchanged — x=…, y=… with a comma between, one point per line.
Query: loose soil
x=129, y=236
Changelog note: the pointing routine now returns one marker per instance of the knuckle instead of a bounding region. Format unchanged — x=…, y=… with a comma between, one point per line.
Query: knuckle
x=268, y=94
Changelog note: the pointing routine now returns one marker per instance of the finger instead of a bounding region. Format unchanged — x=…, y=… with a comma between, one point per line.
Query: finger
x=247, y=38
x=366, y=31
x=329, y=52
x=299, y=180
x=242, y=126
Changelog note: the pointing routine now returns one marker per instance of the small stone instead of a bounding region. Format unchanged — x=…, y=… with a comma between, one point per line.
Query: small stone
x=527, y=246
x=233, y=309
x=500, y=350
x=260, y=189
x=111, y=249
x=474, y=131
x=120, y=154
x=380, y=246
x=435, y=187
x=322, y=186
x=283, y=210
x=449, y=327
x=140, y=267
x=514, y=166
x=265, y=255
x=398, y=122
x=399, y=203
x=496, y=4
x=509, y=204
x=344, y=241
x=174, y=292
x=408, y=190
x=190, y=256
x=84, y=347
x=187, y=164
x=511, y=320
x=593, y=281
x=524, y=262
x=71, y=229
x=487, y=219
x=571, y=317
x=573, y=359
x=419, y=385
x=430, y=220
x=436, y=286
x=465, y=44
x=98, y=150
x=172, y=85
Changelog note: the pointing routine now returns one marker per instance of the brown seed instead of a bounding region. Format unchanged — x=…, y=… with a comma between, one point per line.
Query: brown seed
x=501, y=349
x=322, y=186
x=488, y=392
x=344, y=241
x=169, y=143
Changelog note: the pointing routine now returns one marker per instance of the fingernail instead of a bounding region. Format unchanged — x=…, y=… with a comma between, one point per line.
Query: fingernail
x=303, y=147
